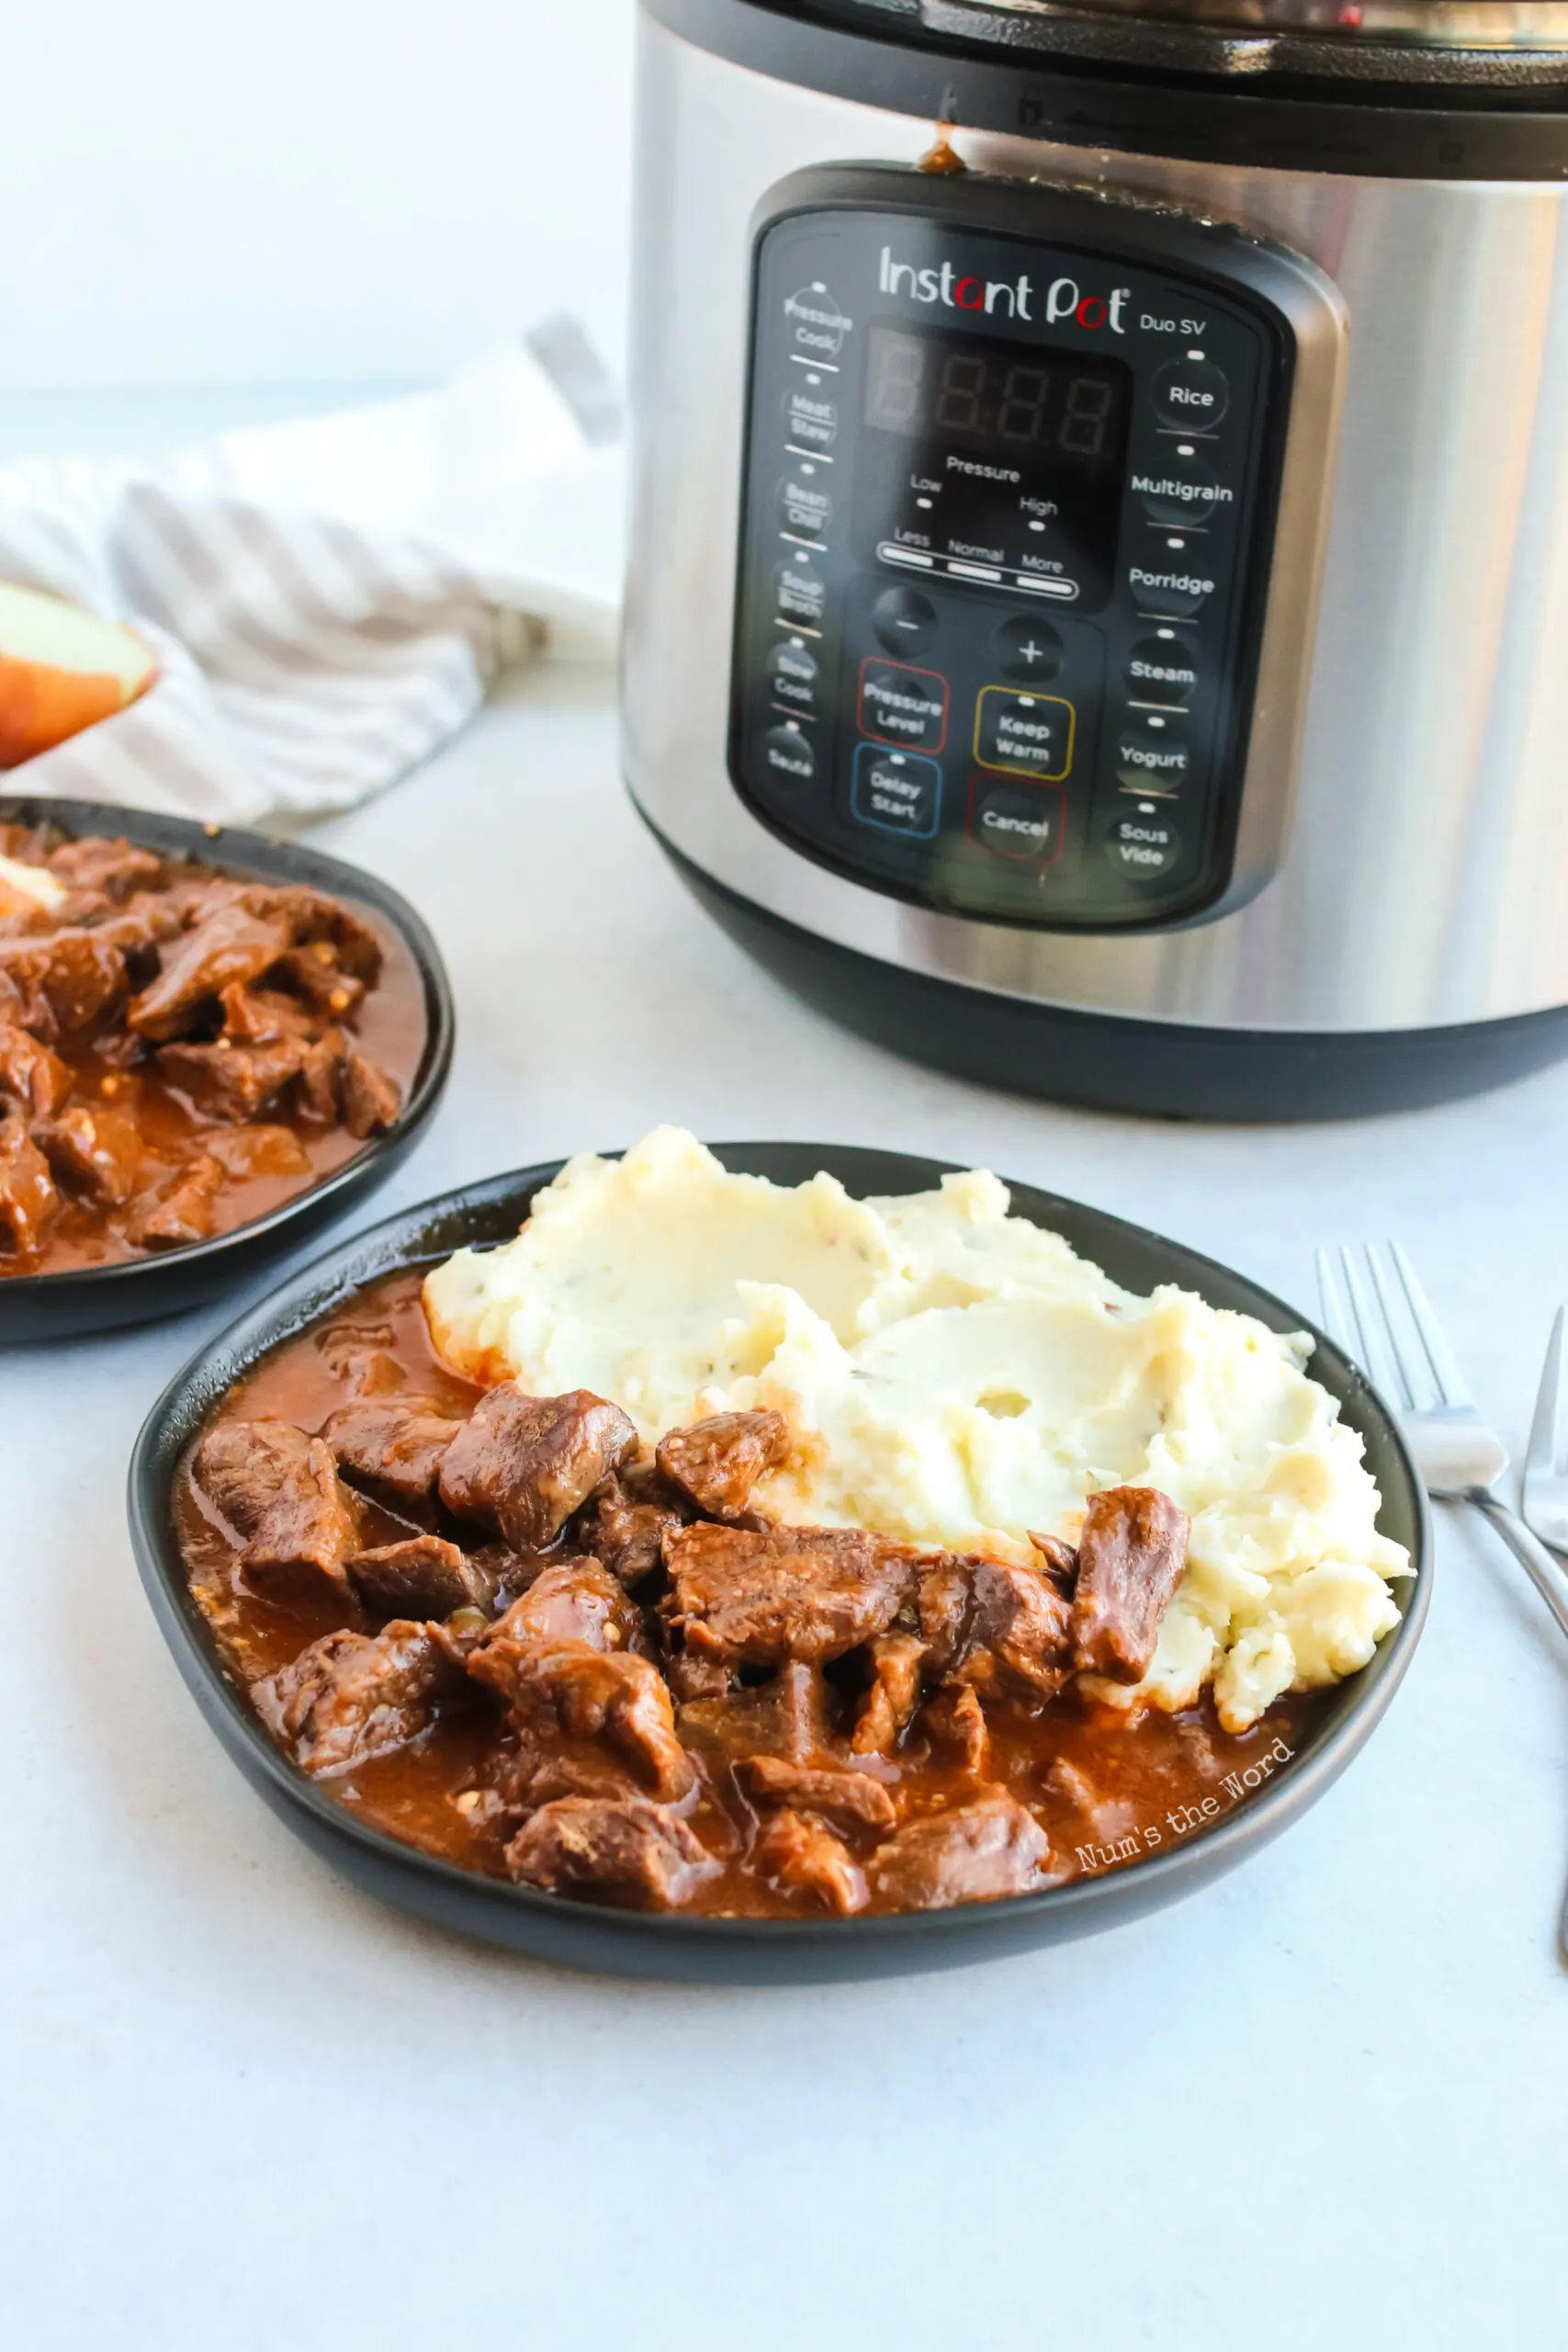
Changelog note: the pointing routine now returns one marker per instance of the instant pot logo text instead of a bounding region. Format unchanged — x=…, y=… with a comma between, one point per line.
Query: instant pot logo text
x=1008, y=298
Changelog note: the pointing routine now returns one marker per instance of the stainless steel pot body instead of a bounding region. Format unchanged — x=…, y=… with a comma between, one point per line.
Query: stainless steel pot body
x=1425, y=877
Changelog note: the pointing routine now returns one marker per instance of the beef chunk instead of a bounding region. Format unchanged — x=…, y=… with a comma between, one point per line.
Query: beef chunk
x=848, y=1797
x=370, y=1099
x=116, y=867
x=307, y=1533
x=691, y=1676
x=38, y=1080
x=624, y=1532
x=28, y=1198
x=66, y=978
x=98, y=1150
x=787, y=1716
x=574, y=1601
x=245, y=1152
x=612, y=1850
x=316, y=921
x=241, y=1467
x=182, y=1209
x=422, y=1576
x=393, y=1444
x=320, y=1076
x=567, y=1688
x=983, y=1851
x=233, y=1082
x=1105, y=1818
x=228, y=945
x=140, y=928
x=352, y=1696
x=717, y=1462
x=523, y=1464
x=762, y=1597
x=890, y=1703
x=1001, y=1628
x=1057, y=1560
x=1131, y=1553
x=317, y=978
x=794, y=1851
x=254, y=1016
x=955, y=1718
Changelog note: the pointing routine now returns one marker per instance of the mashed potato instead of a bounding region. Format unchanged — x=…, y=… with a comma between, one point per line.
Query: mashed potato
x=954, y=1376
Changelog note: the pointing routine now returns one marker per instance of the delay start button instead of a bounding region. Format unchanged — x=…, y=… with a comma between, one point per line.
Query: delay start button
x=1190, y=392
x=1142, y=845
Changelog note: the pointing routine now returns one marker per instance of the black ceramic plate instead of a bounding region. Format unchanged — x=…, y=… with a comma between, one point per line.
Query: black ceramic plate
x=95, y=1298
x=749, y=1950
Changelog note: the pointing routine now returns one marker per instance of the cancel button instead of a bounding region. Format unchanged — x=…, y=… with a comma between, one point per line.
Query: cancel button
x=1016, y=821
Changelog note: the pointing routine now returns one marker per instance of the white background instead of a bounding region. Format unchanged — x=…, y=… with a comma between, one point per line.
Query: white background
x=304, y=192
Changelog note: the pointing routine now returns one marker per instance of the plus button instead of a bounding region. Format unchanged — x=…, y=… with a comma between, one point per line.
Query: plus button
x=1029, y=647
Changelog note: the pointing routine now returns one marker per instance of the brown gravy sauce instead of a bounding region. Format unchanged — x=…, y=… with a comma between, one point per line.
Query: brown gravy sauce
x=1161, y=1778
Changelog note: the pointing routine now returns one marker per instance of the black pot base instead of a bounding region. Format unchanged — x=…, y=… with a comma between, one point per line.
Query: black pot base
x=1156, y=1068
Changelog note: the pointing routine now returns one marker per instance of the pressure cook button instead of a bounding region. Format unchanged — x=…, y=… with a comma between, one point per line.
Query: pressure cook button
x=1161, y=668
x=788, y=756
x=904, y=621
x=1143, y=846
x=1028, y=734
x=795, y=675
x=1172, y=585
x=802, y=592
x=805, y=506
x=1152, y=760
x=1179, y=490
x=895, y=791
x=1022, y=821
x=817, y=326
x=1028, y=648
x=1190, y=392
x=902, y=705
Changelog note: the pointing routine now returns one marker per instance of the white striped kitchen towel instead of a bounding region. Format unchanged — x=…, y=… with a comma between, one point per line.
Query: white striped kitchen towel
x=330, y=599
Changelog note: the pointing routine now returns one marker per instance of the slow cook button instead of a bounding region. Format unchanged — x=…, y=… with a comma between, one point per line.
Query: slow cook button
x=1162, y=669
x=795, y=674
x=1018, y=820
x=1026, y=734
x=895, y=791
x=805, y=506
x=788, y=756
x=1150, y=760
x=1190, y=392
x=902, y=705
x=1143, y=847
x=1173, y=586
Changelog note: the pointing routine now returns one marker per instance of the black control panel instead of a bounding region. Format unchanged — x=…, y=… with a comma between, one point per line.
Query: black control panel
x=1008, y=518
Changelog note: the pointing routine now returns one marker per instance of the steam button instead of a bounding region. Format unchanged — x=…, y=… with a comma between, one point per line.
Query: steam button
x=1192, y=392
x=1163, y=670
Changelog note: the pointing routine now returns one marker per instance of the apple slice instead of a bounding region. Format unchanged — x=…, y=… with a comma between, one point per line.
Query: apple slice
x=61, y=670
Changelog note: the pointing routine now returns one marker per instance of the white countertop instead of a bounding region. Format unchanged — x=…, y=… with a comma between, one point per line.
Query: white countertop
x=245, y=2107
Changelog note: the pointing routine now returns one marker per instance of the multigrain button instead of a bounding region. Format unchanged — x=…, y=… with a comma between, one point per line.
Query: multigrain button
x=1154, y=757
x=1162, y=669
x=1027, y=734
x=1021, y=822
x=896, y=791
x=904, y=621
x=795, y=675
x=1029, y=649
x=904, y=705
x=1190, y=392
x=788, y=756
x=1143, y=845
x=1180, y=489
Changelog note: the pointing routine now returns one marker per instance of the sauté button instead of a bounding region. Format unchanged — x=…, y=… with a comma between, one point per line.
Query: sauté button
x=1179, y=490
x=1143, y=846
x=788, y=756
x=1162, y=669
x=898, y=791
x=1028, y=648
x=1190, y=392
x=1022, y=821
x=1152, y=759
x=907, y=707
x=805, y=506
x=795, y=675
x=1031, y=734
x=802, y=592
x=904, y=621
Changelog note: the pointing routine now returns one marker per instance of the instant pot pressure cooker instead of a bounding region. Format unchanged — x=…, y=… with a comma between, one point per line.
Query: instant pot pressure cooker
x=1098, y=608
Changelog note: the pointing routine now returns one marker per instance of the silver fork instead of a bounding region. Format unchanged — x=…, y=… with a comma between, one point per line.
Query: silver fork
x=1546, y=1463
x=1378, y=1313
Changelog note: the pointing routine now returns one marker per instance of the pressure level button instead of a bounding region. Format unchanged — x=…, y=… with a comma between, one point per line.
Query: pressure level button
x=1192, y=392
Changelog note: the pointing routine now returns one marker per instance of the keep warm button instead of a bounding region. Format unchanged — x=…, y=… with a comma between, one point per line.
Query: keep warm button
x=902, y=705
x=1024, y=734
